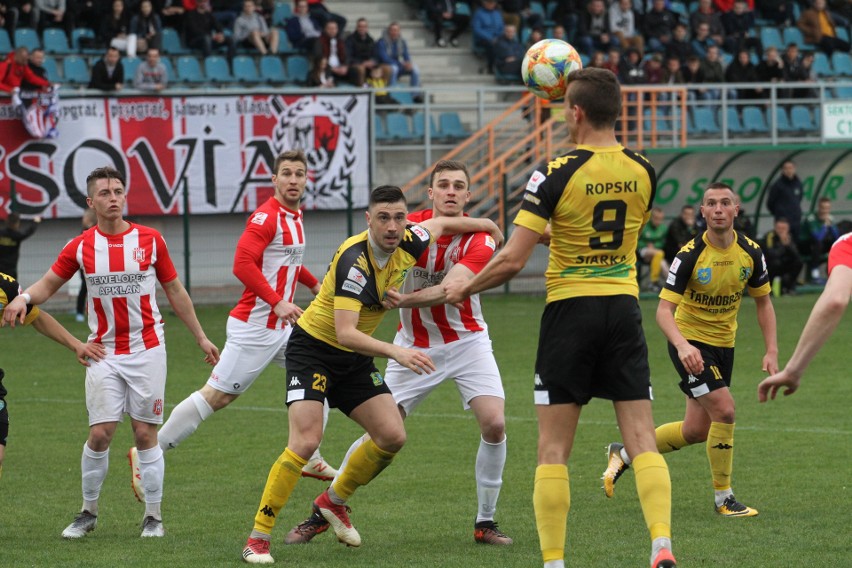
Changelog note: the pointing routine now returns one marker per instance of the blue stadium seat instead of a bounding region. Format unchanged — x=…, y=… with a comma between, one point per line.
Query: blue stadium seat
x=842, y=64
x=171, y=43
x=704, y=120
x=419, y=126
x=272, y=69
x=800, y=118
x=782, y=121
x=792, y=34
x=87, y=35
x=217, y=70
x=771, y=37
x=843, y=92
x=55, y=41
x=52, y=70
x=280, y=13
x=297, y=69
x=450, y=125
x=379, y=127
x=822, y=67
x=170, y=70
x=405, y=98
x=842, y=33
x=754, y=121
x=75, y=71
x=26, y=37
x=398, y=126
x=245, y=70
x=680, y=9
x=734, y=124
x=189, y=70
x=284, y=45
x=5, y=42
x=130, y=64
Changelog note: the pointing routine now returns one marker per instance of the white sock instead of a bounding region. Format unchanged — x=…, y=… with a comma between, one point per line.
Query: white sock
x=721, y=495
x=94, y=466
x=152, y=469
x=325, y=409
x=659, y=544
x=554, y=564
x=184, y=420
x=624, y=457
x=490, y=460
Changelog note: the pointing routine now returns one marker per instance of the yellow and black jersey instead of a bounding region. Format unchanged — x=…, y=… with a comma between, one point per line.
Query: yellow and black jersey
x=354, y=282
x=708, y=283
x=597, y=200
x=9, y=290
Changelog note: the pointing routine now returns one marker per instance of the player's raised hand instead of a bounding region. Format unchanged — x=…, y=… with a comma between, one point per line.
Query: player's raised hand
x=287, y=312
x=414, y=360
x=768, y=387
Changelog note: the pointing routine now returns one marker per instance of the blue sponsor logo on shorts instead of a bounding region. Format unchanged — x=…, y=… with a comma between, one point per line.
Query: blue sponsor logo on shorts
x=704, y=275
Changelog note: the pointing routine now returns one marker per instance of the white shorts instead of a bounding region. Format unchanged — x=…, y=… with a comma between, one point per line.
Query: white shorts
x=248, y=350
x=469, y=361
x=134, y=384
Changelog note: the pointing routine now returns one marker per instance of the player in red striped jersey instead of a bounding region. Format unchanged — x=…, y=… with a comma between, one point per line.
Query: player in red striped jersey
x=268, y=261
x=455, y=338
x=121, y=262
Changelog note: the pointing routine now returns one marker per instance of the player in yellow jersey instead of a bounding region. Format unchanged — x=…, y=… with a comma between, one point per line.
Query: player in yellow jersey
x=698, y=315
x=44, y=323
x=330, y=356
x=591, y=343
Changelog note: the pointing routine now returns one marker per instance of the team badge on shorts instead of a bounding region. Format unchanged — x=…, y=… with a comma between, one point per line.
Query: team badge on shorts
x=158, y=407
x=704, y=275
x=377, y=378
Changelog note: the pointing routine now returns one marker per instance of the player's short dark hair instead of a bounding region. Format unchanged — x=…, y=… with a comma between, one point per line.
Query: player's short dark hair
x=104, y=172
x=290, y=156
x=386, y=194
x=598, y=93
x=448, y=165
x=720, y=185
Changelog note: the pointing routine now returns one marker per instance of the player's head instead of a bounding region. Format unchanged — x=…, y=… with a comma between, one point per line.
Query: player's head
x=719, y=206
x=593, y=99
x=386, y=217
x=290, y=177
x=107, y=194
x=449, y=188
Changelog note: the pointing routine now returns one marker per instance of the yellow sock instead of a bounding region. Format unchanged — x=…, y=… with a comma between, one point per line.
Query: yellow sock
x=670, y=437
x=551, y=501
x=366, y=462
x=720, y=452
x=656, y=264
x=654, y=487
x=283, y=476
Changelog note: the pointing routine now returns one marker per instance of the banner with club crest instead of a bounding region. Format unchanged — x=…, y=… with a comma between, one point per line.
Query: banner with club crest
x=220, y=149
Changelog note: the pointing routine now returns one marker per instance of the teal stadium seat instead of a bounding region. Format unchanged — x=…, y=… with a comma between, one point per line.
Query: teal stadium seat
x=26, y=37
x=189, y=70
x=130, y=64
x=704, y=120
x=217, y=70
x=5, y=42
x=297, y=69
x=379, y=128
x=419, y=126
x=52, y=70
x=450, y=125
x=55, y=41
x=171, y=43
x=398, y=127
x=842, y=64
x=75, y=71
x=800, y=118
x=754, y=120
x=272, y=70
x=245, y=71
x=83, y=41
x=843, y=93
x=281, y=13
x=734, y=124
x=771, y=37
x=782, y=121
x=822, y=67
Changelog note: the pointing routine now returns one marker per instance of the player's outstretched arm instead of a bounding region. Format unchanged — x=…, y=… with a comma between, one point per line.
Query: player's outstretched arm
x=345, y=325
x=767, y=323
x=434, y=295
x=47, y=325
x=38, y=293
x=182, y=305
x=688, y=354
x=440, y=226
x=824, y=318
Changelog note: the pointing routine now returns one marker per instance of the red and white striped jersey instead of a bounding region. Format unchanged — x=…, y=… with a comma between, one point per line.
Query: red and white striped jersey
x=841, y=252
x=121, y=273
x=268, y=261
x=444, y=323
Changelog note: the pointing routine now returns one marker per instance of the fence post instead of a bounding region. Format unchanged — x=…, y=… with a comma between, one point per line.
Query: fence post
x=186, y=249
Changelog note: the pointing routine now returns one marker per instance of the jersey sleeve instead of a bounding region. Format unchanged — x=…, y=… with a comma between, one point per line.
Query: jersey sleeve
x=478, y=251
x=306, y=278
x=164, y=266
x=259, y=232
x=416, y=240
x=841, y=253
x=66, y=265
x=541, y=197
x=758, y=282
x=352, y=280
x=680, y=272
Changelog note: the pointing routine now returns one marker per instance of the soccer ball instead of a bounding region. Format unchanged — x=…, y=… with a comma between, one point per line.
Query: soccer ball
x=546, y=66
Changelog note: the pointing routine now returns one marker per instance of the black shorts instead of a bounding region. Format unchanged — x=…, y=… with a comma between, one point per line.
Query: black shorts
x=4, y=422
x=718, y=367
x=592, y=346
x=319, y=371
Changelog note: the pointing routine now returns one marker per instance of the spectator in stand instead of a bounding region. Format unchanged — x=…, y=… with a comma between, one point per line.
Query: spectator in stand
x=598, y=59
x=713, y=70
x=225, y=11
x=771, y=68
x=842, y=11
x=631, y=71
x=681, y=231
x=322, y=14
x=53, y=14
x=567, y=14
x=680, y=46
x=441, y=12
x=654, y=70
x=702, y=40
x=740, y=29
x=378, y=82
x=115, y=30
x=706, y=13
x=613, y=61
x=108, y=72
x=779, y=11
x=487, y=26
x=784, y=198
x=727, y=5
x=251, y=31
x=672, y=74
x=172, y=14
x=519, y=14
x=151, y=74
x=818, y=28
x=782, y=257
x=806, y=72
x=203, y=32
x=659, y=26
x=594, y=31
x=791, y=64
x=35, y=62
x=536, y=35
x=147, y=27
x=320, y=74
x=694, y=75
x=742, y=70
x=819, y=232
x=650, y=247
x=622, y=22
x=509, y=53
x=392, y=50
x=361, y=48
x=742, y=223
x=331, y=47
x=558, y=32
x=17, y=13
x=302, y=27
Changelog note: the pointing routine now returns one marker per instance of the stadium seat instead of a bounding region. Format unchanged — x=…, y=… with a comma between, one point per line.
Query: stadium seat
x=189, y=70
x=398, y=127
x=280, y=13
x=782, y=121
x=297, y=69
x=405, y=98
x=5, y=42
x=842, y=64
x=52, y=70
x=800, y=118
x=771, y=37
x=245, y=70
x=284, y=45
x=130, y=64
x=419, y=126
x=680, y=9
x=55, y=41
x=734, y=125
x=75, y=71
x=170, y=70
x=705, y=121
x=842, y=33
x=171, y=43
x=843, y=92
x=217, y=70
x=822, y=67
x=83, y=41
x=272, y=69
x=379, y=127
x=754, y=121
x=450, y=125
x=26, y=37
x=793, y=34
